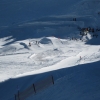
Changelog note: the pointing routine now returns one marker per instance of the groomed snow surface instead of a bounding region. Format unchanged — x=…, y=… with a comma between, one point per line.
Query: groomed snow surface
x=73, y=64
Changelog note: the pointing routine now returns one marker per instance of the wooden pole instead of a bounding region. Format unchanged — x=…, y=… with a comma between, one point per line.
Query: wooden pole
x=18, y=95
x=15, y=96
x=34, y=88
x=52, y=80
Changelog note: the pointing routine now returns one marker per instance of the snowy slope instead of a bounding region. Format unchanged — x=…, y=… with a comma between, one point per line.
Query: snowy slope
x=24, y=17
x=80, y=81
x=57, y=48
x=50, y=58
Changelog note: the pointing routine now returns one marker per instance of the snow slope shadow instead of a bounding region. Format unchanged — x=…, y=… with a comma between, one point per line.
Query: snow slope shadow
x=45, y=41
x=9, y=43
x=94, y=41
x=25, y=46
x=82, y=81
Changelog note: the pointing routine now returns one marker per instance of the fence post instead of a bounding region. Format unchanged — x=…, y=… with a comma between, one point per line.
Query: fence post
x=34, y=88
x=15, y=96
x=52, y=80
x=18, y=95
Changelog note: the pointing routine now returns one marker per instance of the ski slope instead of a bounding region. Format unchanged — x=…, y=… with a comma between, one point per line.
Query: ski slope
x=55, y=57
x=57, y=48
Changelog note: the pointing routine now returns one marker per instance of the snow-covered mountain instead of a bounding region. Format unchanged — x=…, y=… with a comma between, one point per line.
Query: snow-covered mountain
x=38, y=18
x=40, y=38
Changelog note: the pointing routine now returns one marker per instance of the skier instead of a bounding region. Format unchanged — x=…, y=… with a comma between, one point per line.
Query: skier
x=80, y=57
x=29, y=44
x=36, y=42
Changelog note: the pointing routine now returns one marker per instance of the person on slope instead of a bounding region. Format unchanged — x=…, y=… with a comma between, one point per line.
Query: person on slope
x=29, y=44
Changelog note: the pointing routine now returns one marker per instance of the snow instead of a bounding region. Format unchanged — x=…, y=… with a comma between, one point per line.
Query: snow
x=45, y=59
x=57, y=48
